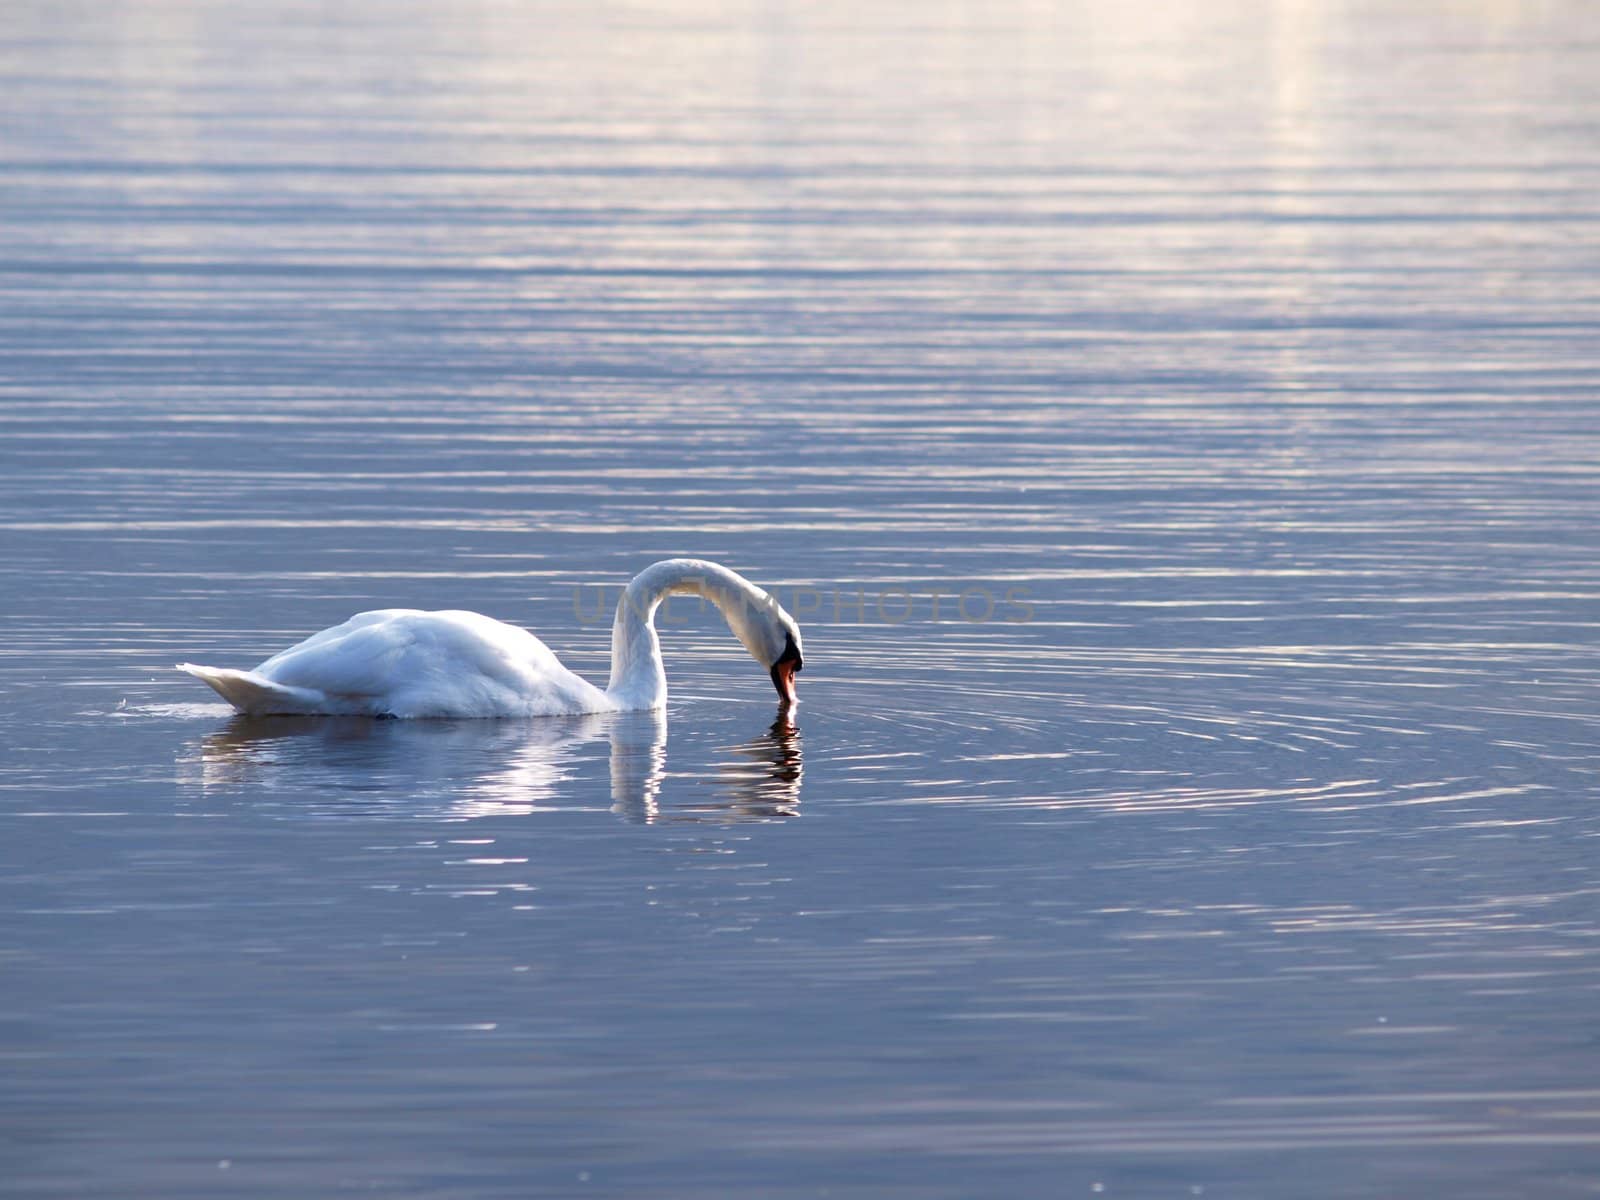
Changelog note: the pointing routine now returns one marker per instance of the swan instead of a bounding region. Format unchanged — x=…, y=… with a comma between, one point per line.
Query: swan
x=401, y=662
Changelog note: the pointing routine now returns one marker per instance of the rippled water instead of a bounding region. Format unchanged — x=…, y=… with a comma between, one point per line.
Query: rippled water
x=1242, y=356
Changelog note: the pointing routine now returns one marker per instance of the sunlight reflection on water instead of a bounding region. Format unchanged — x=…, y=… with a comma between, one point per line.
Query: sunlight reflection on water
x=1243, y=850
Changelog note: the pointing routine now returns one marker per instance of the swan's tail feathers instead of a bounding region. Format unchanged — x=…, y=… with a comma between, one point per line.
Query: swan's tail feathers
x=255, y=695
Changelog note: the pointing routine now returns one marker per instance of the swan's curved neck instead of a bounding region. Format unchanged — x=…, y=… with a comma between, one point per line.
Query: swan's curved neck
x=638, y=678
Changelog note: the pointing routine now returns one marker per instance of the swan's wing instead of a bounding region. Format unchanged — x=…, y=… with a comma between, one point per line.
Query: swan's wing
x=336, y=633
x=415, y=663
x=361, y=658
x=464, y=663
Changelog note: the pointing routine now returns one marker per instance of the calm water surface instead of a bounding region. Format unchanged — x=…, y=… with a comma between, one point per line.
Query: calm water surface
x=1248, y=849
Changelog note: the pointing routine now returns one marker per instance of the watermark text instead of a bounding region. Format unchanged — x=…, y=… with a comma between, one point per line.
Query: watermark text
x=974, y=605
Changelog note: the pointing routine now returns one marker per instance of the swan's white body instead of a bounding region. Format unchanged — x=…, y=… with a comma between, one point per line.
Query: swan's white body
x=401, y=662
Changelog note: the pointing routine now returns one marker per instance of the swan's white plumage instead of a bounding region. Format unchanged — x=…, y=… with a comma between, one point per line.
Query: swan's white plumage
x=403, y=662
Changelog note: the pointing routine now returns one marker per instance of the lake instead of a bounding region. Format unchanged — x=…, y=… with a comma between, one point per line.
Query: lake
x=1177, y=432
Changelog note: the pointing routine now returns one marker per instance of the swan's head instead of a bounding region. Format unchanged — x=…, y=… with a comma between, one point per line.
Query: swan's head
x=789, y=662
x=773, y=639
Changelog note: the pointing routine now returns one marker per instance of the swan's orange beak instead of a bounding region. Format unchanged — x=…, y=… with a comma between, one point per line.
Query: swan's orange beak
x=783, y=672
x=783, y=679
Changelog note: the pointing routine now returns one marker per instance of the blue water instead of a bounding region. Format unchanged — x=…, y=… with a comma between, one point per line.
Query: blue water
x=1177, y=431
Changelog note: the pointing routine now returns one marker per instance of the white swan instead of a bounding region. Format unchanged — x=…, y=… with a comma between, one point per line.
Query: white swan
x=400, y=662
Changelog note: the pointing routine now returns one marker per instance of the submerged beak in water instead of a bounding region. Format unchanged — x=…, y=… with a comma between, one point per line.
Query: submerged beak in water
x=783, y=673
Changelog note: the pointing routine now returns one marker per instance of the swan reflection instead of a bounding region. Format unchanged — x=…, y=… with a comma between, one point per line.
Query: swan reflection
x=469, y=769
x=761, y=784
x=765, y=785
